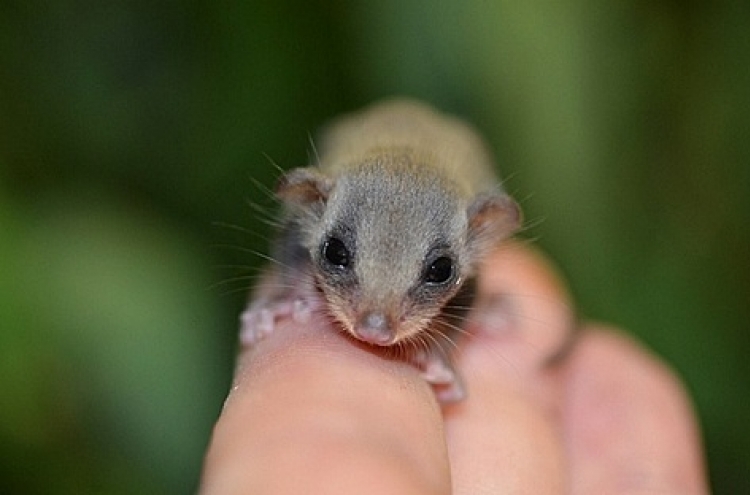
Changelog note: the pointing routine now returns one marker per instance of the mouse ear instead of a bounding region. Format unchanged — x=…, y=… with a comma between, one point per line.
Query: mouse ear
x=303, y=186
x=492, y=218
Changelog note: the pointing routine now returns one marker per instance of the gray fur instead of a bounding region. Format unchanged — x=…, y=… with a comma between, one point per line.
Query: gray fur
x=398, y=184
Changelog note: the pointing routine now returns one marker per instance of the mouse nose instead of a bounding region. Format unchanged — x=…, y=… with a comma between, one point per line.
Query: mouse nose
x=375, y=328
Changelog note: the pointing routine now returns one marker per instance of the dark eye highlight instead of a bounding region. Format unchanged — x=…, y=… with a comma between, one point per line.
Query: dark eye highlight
x=439, y=271
x=335, y=252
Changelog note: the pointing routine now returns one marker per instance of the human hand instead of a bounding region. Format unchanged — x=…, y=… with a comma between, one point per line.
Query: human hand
x=313, y=412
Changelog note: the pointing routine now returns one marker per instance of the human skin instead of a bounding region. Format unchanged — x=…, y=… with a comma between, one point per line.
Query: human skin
x=312, y=411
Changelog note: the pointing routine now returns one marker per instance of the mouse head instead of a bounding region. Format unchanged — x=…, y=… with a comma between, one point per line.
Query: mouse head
x=391, y=243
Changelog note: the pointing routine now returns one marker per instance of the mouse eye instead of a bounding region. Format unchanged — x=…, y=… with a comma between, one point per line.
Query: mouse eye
x=439, y=271
x=336, y=253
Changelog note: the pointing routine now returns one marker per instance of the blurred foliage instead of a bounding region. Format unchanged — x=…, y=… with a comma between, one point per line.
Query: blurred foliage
x=127, y=128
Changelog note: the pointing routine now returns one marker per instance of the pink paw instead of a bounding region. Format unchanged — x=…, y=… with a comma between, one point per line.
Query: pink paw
x=260, y=318
x=433, y=369
x=439, y=373
x=449, y=393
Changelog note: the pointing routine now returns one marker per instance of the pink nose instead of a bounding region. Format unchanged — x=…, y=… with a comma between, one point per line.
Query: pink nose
x=375, y=328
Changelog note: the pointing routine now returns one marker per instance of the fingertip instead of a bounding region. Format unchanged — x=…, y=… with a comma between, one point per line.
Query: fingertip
x=309, y=408
x=628, y=420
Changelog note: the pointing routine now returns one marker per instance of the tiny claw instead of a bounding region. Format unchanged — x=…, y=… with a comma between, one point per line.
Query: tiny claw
x=266, y=321
x=259, y=320
x=249, y=327
x=450, y=393
x=437, y=372
x=301, y=310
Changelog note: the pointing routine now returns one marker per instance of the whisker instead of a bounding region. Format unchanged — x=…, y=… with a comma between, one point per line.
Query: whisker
x=250, y=278
x=266, y=211
x=232, y=280
x=531, y=224
x=520, y=295
x=491, y=347
x=254, y=253
x=456, y=328
x=273, y=163
x=445, y=345
x=427, y=338
x=248, y=289
x=314, y=149
x=253, y=233
x=229, y=292
x=249, y=268
x=525, y=317
x=239, y=228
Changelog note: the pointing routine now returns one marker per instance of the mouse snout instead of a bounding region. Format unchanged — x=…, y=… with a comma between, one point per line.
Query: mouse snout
x=375, y=328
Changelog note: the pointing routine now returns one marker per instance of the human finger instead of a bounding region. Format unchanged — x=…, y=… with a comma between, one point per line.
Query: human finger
x=313, y=412
x=628, y=422
x=505, y=438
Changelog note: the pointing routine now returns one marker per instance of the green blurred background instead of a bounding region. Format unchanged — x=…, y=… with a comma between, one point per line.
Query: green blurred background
x=128, y=129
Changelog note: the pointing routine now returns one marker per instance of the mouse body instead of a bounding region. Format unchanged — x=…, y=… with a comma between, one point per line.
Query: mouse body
x=385, y=233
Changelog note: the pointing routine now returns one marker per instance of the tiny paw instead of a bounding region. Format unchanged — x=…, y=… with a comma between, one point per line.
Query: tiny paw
x=302, y=310
x=437, y=373
x=259, y=320
x=254, y=325
x=434, y=369
x=450, y=393
x=440, y=374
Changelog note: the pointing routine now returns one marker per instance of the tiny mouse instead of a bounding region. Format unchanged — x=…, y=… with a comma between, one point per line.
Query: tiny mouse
x=385, y=233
